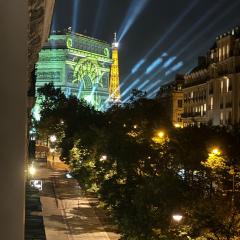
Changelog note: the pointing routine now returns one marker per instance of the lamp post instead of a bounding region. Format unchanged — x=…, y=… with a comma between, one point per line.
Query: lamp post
x=177, y=218
x=53, y=140
x=31, y=170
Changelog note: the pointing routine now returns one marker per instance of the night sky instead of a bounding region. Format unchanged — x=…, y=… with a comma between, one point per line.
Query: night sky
x=179, y=31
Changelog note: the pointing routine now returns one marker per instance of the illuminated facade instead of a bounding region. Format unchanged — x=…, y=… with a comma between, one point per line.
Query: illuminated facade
x=212, y=89
x=77, y=64
x=114, y=88
x=171, y=95
x=210, y=93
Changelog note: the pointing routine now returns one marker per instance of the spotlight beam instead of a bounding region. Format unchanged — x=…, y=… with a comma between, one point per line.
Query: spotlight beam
x=209, y=27
x=173, y=26
x=98, y=17
x=135, y=9
x=154, y=65
x=137, y=66
x=196, y=25
x=130, y=87
x=75, y=17
x=53, y=24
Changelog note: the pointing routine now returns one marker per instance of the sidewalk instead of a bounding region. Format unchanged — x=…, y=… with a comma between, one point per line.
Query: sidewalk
x=68, y=214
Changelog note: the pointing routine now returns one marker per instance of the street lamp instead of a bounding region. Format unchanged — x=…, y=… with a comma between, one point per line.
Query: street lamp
x=32, y=170
x=53, y=138
x=103, y=158
x=161, y=134
x=177, y=217
x=216, y=151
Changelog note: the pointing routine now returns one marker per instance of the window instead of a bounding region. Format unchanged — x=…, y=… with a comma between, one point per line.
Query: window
x=180, y=103
x=227, y=50
x=211, y=103
x=221, y=118
x=212, y=56
x=223, y=52
x=191, y=94
x=201, y=110
x=227, y=84
x=205, y=107
x=220, y=54
x=221, y=87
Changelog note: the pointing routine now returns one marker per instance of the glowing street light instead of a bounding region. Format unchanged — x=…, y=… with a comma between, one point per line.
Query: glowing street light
x=53, y=138
x=161, y=134
x=216, y=151
x=32, y=170
x=103, y=158
x=177, y=217
x=135, y=126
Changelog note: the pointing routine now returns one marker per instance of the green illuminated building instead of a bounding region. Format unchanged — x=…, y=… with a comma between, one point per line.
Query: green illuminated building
x=77, y=64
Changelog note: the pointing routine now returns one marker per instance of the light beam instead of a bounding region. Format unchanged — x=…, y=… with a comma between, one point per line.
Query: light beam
x=75, y=17
x=135, y=9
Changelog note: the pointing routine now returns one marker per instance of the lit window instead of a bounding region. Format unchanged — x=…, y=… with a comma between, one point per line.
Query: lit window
x=227, y=50
x=191, y=94
x=223, y=52
x=211, y=103
x=221, y=86
x=221, y=118
x=202, y=110
x=205, y=107
x=212, y=55
x=220, y=54
x=227, y=84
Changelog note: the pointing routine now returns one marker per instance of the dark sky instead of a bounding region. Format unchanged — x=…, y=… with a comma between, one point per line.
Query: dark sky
x=183, y=28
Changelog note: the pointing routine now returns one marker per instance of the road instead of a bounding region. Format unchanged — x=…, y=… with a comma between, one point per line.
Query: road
x=68, y=214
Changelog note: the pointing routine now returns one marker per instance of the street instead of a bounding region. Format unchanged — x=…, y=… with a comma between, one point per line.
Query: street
x=67, y=213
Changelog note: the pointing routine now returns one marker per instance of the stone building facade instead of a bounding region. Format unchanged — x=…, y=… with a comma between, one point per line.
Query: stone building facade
x=172, y=95
x=211, y=91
